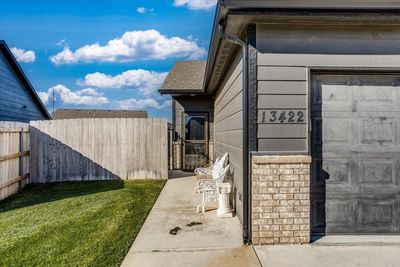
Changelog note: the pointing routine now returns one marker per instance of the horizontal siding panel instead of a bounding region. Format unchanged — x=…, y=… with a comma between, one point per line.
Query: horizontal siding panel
x=19, y=101
x=282, y=73
x=9, y=110
x=233, y=91
x=282, y=87
x=233, y=122
x=282, y=131
x=7, y=91
x=230, y=138
x=282, y=145
x=340, y=60
x=328, y=46
x=232, y=107
x=314, y=4
x=229, y=81
x=336, y=39
x=282, y=101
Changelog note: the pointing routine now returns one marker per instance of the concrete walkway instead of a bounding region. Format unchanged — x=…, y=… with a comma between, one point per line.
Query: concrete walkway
x=335, y=251
x=215, y=242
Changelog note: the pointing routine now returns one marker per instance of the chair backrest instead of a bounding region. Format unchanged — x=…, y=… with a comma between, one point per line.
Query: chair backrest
x=222, y=174
x=216, y=161
x=224, y=159
x=218, y=167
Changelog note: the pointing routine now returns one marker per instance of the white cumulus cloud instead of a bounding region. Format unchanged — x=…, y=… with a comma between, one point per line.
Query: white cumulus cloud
x=44, y=96
x=143, y=10
x=196, y=4
x=133, y=45
x=147, y=82
x=23, y=55
x=133, y=103
x=87, y=96
x=61, y=42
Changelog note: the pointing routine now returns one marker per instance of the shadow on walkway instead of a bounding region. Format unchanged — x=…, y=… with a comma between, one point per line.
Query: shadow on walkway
x=180, y=174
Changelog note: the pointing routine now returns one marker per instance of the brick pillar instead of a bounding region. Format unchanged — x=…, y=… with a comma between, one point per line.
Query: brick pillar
x=211, y=151
x=177, y=158
x=280, y=199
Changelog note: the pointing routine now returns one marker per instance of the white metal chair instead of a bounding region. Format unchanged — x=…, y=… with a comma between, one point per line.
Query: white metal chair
x=209, y=187
x=203, y=172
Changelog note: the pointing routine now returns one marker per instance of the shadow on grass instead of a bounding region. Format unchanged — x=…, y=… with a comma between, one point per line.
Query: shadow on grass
x=35, y=194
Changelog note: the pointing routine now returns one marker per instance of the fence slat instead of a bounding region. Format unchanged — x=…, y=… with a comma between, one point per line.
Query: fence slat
x=92, y=149
x=14, y=155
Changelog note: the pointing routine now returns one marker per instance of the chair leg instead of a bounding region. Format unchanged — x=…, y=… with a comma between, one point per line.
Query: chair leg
x=202, y=205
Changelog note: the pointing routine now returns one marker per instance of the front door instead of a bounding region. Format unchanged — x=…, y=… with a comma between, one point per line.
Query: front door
x=196, y=140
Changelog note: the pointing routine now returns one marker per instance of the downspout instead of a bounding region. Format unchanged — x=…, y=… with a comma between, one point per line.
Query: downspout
x=246, y=154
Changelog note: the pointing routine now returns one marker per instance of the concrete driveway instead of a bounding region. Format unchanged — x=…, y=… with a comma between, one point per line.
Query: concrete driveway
x=337, y=251
x=214, y=242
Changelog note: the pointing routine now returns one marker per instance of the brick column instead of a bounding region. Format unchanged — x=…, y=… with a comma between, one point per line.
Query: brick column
x=211, y=151
x=280, y=199
x=177, y=155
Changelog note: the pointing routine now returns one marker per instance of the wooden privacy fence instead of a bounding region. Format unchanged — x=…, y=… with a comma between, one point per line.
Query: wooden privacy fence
x=14, y=157
x=93, y=149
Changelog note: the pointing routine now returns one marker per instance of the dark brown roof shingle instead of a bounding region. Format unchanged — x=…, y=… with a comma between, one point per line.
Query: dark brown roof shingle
x=60, y=114
x=185, y=76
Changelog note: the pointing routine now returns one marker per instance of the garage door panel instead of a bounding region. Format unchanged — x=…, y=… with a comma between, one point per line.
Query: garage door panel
x=384, y=99
x=339, y=170
x=337, y=131
x=379, y=131
x=380, y=214
x=339, y=215
x=332, y=95
x=379, y=172
x=356, y=153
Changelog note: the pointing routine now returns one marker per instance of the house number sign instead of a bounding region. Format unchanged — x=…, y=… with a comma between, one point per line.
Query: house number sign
x=282, y=116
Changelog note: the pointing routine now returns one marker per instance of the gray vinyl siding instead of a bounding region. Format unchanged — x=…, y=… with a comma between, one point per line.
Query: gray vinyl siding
x=228, y=127
x=287, y=56
x=14, y=95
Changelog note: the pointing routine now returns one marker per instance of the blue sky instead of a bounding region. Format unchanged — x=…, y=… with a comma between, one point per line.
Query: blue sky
x=105, y=53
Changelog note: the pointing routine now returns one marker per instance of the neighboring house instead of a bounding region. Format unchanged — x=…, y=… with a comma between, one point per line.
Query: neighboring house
x=305, y=97
x=18, y=99
x=60, y=114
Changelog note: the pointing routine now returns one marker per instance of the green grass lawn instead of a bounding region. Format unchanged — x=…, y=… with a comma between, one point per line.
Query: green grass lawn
x=74, y=224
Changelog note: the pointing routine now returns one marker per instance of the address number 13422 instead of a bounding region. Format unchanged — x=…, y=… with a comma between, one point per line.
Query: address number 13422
x=282, y=116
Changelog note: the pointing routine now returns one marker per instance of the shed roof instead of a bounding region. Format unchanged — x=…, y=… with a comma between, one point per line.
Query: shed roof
x=22, y=77
x=97, y=113
x=185, y=76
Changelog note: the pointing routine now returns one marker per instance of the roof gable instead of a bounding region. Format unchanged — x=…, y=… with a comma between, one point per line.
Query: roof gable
x=22, y=77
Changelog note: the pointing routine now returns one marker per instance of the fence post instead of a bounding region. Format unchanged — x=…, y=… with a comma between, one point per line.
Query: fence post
x=21, y=158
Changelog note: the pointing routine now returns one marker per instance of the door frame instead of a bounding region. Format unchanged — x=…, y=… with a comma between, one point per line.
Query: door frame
x=183, y=133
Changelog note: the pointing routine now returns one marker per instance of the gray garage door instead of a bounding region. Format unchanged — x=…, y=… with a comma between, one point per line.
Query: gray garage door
x=356, y=153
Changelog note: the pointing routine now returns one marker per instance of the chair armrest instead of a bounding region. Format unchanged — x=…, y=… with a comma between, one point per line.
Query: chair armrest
x=205, y=185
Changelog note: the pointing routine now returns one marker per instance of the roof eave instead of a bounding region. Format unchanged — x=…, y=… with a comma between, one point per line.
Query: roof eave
x=226, y=7
x=180, y=92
